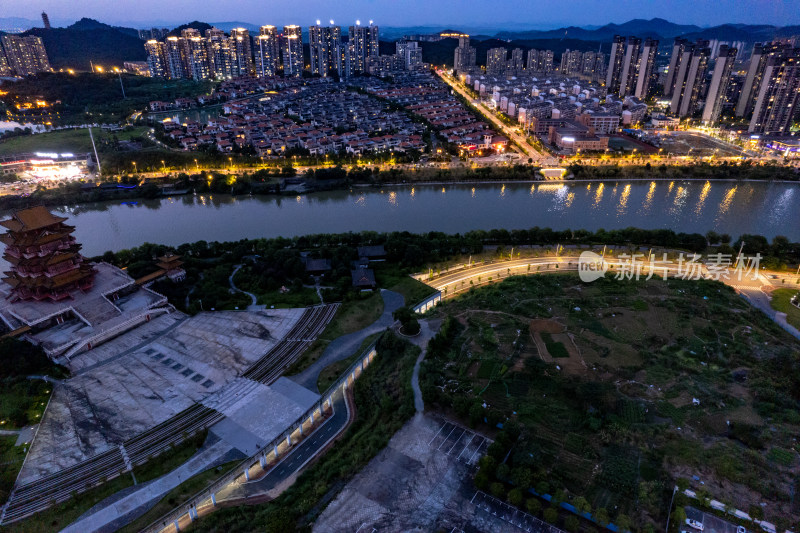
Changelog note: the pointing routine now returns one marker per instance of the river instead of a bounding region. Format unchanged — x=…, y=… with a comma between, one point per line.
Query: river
x=735, y=208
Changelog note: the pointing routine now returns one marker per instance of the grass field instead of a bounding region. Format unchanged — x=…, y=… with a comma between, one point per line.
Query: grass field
x=352, y=316
x=61, y=515
x=665, y=380
x=74, y=140
x=178, y=495
x=781, y=301
x=332, y=372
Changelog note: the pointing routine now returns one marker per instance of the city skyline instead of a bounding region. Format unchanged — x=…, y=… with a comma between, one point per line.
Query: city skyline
x=418, y=12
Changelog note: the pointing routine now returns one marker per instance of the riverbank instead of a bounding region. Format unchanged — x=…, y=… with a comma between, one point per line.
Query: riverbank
x=75, y=194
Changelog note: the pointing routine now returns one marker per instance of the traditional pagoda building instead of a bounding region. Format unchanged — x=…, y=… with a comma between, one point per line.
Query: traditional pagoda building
x=44, y=257
x=173, y=267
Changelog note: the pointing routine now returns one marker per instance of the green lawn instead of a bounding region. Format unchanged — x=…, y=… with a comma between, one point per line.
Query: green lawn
x=11, y=458
x=60, y=516
x=178, y=495
x=332, y=372
x=781, y=302
x=75, y=141
x=65, y=513
x=352, y=316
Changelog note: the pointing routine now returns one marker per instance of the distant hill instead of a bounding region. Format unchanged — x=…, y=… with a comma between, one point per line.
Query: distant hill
x=660, y=29
x=17, y=23
x=228, y=26
x=197, y=25
x=88, y=40
x=87, y=24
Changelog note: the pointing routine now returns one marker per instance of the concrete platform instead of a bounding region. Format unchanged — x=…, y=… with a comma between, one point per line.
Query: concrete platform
x=256, y=413
x=146, y=376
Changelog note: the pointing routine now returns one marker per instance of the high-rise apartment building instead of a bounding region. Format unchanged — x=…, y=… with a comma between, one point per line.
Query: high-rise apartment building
x=373, y=41
x=156, y=58
x=199, y=66
x=362, y=44
x=762, y=52
x=45, y=20
x=615, y=61
x=718, y=89
x=689, y=79
x=517, y=62
x=325, y=47
x=292, y=51
x=496, y=60
x=410, y=53
x=240, y=39
x=465, y=56
x=175, y=52
x=778, y=95
x=267, y=52
x=571, y=62
x=630, y=66
x=678, y=50
x=646, y=68
x=5, y=68
x=26, y=56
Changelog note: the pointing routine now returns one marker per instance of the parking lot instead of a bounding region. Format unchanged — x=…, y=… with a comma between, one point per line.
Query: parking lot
x=711, y=523
x=512, y=515
x=455, y=441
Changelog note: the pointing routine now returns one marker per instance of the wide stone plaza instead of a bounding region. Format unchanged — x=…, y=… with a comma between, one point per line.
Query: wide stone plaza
x=145, y=376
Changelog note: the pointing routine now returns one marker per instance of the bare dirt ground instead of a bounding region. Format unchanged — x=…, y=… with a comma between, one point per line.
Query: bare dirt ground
x=420, y=482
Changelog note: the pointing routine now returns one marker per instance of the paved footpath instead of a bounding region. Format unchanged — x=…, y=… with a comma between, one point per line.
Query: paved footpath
x=427, y=329
x=347, y=345
x=109, y=516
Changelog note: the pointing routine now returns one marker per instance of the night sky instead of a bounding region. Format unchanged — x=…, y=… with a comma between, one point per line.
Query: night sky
x=534, y=14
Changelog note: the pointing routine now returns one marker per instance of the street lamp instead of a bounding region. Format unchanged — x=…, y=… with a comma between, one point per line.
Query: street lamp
x=196, y=165
x=163, y=166
x=134, y=166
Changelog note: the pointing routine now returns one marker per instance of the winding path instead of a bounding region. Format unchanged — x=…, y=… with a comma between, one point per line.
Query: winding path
x=346, y=345
x=253, y=299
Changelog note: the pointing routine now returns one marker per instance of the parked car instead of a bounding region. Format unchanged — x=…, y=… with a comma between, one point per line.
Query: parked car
x=694, y=523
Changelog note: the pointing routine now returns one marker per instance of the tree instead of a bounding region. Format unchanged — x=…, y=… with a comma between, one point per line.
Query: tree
x=623, y=522
x=571, y=523
x=601, y=516
x=408, y=320
x=515, y=497
x=522, y=477
x=498, y=490
x=534, y=506
x=503, y=472
x=550, y=515
x=582, y=504
x=756, y=512
x=475, y=414
x=682, y=484
x=679, y=516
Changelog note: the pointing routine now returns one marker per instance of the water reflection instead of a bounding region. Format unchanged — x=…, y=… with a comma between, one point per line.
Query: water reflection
x=650, y=204
x=648, y=200
x=598, y=195
x=703, y=195
x=623, y=200
x=726, y=202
